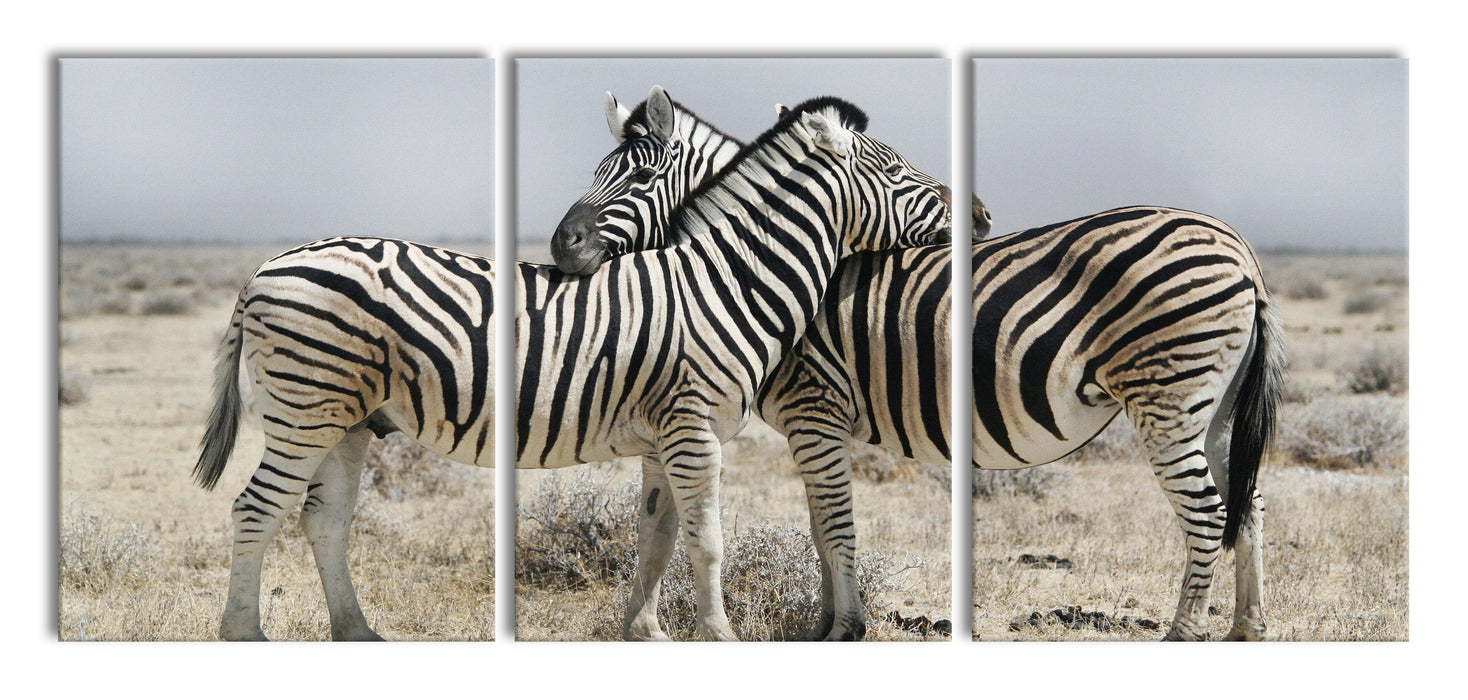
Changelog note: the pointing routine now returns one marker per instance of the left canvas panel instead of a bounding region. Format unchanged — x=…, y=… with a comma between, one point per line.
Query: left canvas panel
x=332, y=221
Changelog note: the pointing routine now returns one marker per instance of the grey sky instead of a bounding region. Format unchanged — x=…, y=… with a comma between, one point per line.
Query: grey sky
x=276, y=149
x=1301, y=153
x=562, y=134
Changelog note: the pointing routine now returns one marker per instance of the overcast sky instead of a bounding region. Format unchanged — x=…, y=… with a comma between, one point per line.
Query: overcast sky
x=562, y=131
x=276, y=149
x=1302, y=153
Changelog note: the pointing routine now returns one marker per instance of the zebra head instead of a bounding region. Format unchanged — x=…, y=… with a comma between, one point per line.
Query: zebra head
x=663, y=152
x=892, y=203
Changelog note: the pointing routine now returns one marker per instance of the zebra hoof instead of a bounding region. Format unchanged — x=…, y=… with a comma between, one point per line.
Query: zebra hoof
x=1245, y=634
x=247, y=636
x=712, y=633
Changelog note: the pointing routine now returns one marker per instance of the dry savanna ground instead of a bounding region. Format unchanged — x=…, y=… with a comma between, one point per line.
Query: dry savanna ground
x=1089, y=548
x=144, y=554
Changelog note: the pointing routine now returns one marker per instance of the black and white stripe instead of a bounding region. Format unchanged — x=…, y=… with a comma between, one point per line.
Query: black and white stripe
x=659, y=352
x=1179, y=295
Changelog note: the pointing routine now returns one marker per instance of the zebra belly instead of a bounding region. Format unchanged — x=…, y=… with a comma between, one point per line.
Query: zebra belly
x=1027, y=444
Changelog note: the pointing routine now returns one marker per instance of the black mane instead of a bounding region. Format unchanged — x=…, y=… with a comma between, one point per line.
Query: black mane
x=850, y=114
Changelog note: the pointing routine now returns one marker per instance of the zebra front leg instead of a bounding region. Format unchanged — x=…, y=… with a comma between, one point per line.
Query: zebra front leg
x=657, y=531
x=692, y=458
x=276, y=486
x=825, y=468
x=1248, y=622
x=326, y=517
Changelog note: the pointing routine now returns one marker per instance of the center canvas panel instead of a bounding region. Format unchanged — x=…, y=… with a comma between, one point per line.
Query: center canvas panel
x=718, y=259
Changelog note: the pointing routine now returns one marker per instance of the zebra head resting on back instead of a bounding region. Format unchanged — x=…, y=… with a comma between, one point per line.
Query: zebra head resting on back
x=663, y=152
x=852, y=354
x=346, y=337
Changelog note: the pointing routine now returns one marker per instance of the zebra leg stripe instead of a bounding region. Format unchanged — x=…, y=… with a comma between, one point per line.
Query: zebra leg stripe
x=276, y=487
x=657, y=532
x=825, y=467
x=692, y=459
x=326, y=517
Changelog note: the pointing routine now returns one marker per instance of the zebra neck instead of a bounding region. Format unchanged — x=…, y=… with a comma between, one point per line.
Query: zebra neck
x=764, y=239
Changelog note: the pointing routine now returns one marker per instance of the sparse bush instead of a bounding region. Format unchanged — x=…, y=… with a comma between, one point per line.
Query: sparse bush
x=1031, y=483
x=115, y=304
x=877, y=465
x=1117, y=442
x=581, y=529
x=1346, y=433
x=74, y=388
x=398, y=468
x=1305, y=288
x=1379, y=369
x=98, y=554
x=772, y=583
x=1366, y=302
x=136, y=283
x=167, y=304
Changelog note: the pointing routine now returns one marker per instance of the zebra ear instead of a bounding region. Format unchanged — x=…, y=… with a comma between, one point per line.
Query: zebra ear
x=660, y=114
x=781, y=111
x=616, y=117
x=827, y=133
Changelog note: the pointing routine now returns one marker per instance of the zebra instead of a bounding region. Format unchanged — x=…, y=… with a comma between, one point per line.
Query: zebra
x=655, y=352
x=850, y=378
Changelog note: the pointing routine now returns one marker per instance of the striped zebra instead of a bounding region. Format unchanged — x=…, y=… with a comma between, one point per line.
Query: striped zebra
x=1159, y=312
x=658, y=352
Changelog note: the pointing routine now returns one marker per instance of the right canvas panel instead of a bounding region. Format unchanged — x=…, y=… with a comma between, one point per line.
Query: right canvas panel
x=1190, y=349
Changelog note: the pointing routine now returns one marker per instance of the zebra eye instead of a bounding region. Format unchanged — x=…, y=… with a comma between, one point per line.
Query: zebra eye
x=895, y=169
x=643, y=175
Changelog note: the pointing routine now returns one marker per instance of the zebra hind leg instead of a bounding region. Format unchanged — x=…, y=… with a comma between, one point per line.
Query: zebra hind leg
x=657, y=531
x=277, y=485
x=825, y=468
x=1181, y=467
x=326, y=517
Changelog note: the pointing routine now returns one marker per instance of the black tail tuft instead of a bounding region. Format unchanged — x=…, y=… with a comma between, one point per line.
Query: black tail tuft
x=1254, y=414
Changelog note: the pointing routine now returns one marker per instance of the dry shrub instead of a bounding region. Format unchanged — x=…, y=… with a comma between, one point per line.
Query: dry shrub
x=1031, y=483
x=115, y=305
x=581, y=529
x=1117, y=442
x=582, y=532
x=135, y=283
x=772, y=583
x=1346, y=433
x=1305, y=288
x=167, y=304
x=878, y=465
x=1366, y=302
x=98, y=554
x=74, y=388
x=398, y=468
x=1377, y=370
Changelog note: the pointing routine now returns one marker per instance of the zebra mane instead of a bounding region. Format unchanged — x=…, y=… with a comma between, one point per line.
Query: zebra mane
x=850, y=114
x=636, y=124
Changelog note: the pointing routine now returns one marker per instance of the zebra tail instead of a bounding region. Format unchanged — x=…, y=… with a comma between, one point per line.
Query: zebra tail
x=1254, y=414
x=224, y=418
